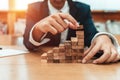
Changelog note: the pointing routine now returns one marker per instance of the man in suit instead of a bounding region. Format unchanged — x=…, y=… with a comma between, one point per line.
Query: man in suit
x=53, y=21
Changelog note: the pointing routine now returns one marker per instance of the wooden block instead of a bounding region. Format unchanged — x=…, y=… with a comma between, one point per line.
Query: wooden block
x=56, y=53
x=68, y=50
x=67, y=45
x=80, y=57
x=56, y=50
x=50, y=53
x=74, y=43
x=68, y=54
x=81, y=50
x=61, y=54
x=80, y=47
x=50, y=61
x=80, y=54
x=50, y=57
x=81, y=33
x=80, y=27
x=62, y=60
x=61, y=45
x=74, y=54
x=75, y=51
x=56, y=61
x=56, y=56
x=79, y=61
x=75, y=57
x=74, y=61
x=68, y=57
x=61, y=48
x=44, y=56
x=77, y=47
x=68, y=61
x=74, y=47
x=74, y=39
x=62, y=57
x=80, y=36
x=80, y=44
x=67, y=42
x=80, y=40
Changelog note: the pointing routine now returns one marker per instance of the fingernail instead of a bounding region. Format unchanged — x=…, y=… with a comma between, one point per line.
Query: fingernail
x=77, y=24
x=83, y=61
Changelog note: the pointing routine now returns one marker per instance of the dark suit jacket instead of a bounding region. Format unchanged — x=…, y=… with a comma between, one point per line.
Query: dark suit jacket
x=80, y=11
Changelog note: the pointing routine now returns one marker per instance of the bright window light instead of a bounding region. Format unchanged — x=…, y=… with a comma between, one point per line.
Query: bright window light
x=22, y=4
x=4, y=5
x=106, y=5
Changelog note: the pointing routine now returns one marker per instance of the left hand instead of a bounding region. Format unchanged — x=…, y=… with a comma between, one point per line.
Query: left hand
x=102, y=42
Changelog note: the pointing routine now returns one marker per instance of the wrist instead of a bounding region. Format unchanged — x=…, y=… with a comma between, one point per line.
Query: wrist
x=104, y=36
x=111, y=36
x=37, y=34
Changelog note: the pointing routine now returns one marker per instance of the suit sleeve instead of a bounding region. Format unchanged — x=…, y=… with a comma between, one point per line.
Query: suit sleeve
x=89, y=27
x=31, y=19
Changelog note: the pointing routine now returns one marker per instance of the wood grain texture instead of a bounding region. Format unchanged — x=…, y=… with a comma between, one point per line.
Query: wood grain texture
x=30, y=67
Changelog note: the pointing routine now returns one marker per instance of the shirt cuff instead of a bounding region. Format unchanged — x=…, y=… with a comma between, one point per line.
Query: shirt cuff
x=42, y=41
x=112, y=37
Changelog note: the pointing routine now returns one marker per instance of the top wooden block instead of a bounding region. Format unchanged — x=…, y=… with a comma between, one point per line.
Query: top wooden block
x=80, y=28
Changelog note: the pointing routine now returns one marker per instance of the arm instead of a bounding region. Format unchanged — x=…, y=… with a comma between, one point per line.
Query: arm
x=54, y=24
x=100, y=43
x=89, y=27
x=31, y=19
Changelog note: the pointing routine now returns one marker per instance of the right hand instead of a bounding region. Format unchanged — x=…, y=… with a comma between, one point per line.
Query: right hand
x=56, y=23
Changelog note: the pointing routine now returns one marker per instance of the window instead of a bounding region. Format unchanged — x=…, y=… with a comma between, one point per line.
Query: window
x=4, y=5
x=22, y=4
x=19, y=4
x=106, y=5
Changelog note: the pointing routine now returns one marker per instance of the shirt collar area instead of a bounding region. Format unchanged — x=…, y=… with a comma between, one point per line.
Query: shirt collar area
x=52, y=10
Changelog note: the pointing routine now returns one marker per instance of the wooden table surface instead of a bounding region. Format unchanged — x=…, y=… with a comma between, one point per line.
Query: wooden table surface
x=29, y=67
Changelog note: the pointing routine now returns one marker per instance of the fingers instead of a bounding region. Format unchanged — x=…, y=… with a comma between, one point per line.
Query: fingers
x=60, y=21
x=70, y=19
x=117, y=58
x=102, y=43
x=113, y=56
x=104, y=57
x=90, y=54
x=88, y=50
x=56, y=25
x=109, y=56
x=51, y=29
x=116, y=55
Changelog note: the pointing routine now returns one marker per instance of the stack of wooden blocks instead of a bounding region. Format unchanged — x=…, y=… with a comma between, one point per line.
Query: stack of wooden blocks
x=69, y=52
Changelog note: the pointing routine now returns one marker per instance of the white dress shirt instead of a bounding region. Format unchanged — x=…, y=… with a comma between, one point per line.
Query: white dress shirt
x=65, y=9
x=52, y=10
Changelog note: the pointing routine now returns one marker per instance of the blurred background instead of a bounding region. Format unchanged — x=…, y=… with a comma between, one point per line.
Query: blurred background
x=105, y=13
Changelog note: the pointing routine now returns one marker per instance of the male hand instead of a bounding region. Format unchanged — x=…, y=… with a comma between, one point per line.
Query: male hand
x=57, y=23
x=103, y=43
